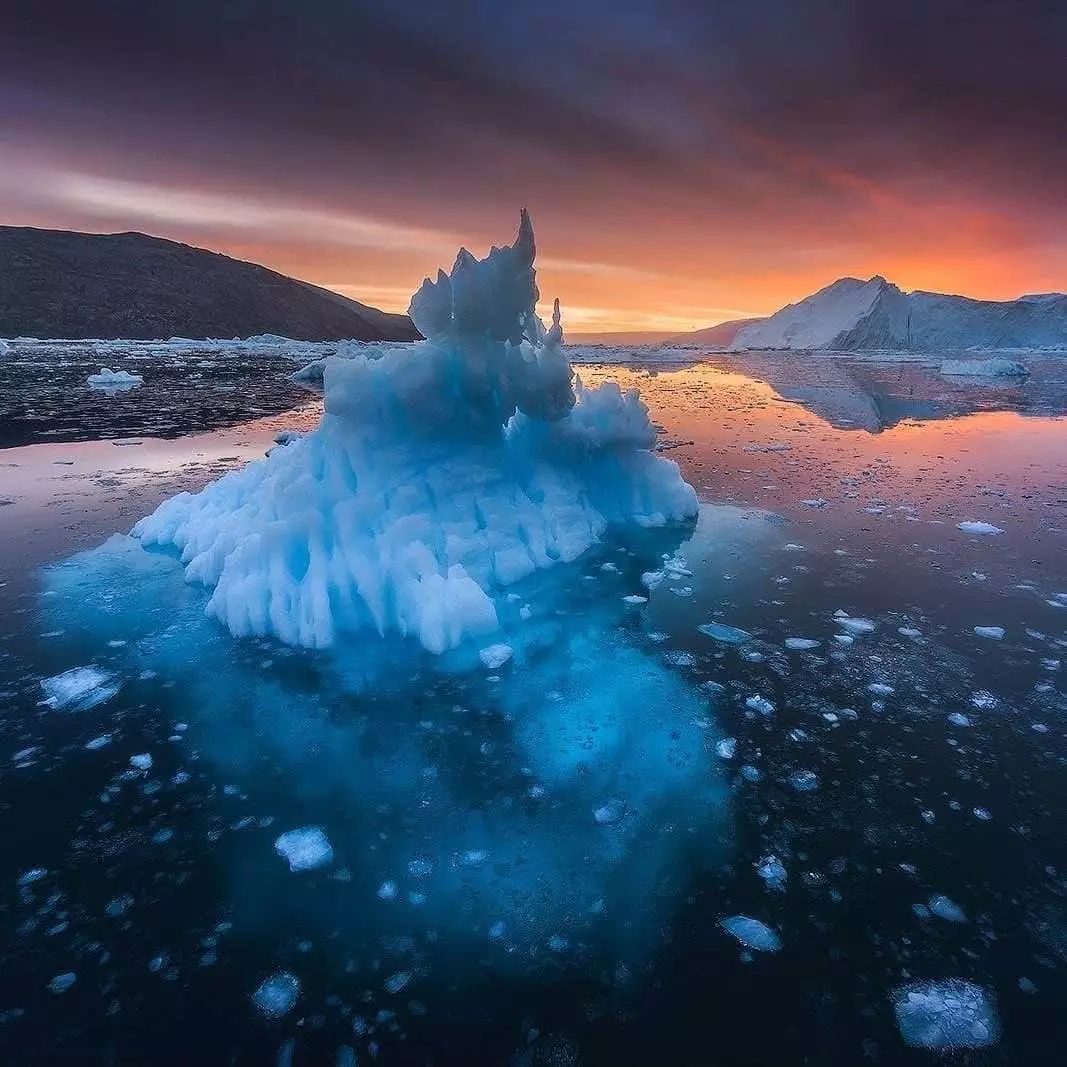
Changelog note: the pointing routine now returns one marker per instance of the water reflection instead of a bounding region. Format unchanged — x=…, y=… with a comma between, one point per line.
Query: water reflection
x=536, y=867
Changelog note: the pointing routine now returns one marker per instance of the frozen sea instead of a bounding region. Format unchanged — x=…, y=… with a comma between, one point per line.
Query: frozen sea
x=785, y=786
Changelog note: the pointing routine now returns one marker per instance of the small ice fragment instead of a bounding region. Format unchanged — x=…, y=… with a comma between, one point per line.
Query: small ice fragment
x=497, y=931
x=495, y=656
x=305, y=849
x=62, y=982
x=817, y=502
x=727, y=748
x=881, y=689
x=950, y=1014
x=34, y=874
x=80, y=688
x=947, y=909
x=752, y=933
x=114, y=379
x=750, y=773
x=633, y=598
x=804, y=781
x=728, y=635
x=98, y=742
x=760, y=704
x=801, y=644
x=277, y=994
x=972, y=526
x=908, y=631
x=143, y=761
x=609, y=813
x=396, y=982
x=773, y=873
x=387, y=891
x=959, y=719
x=994, y=633
x=855, y=626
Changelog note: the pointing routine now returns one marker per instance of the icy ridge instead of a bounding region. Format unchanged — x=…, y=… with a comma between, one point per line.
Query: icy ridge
x=441, y=473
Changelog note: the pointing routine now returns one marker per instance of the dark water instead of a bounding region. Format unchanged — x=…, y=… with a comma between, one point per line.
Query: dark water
x=531, y=868
x=44, y=395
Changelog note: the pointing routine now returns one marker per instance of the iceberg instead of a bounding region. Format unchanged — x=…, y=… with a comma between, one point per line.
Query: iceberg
x=441, y=474
x=113, y=379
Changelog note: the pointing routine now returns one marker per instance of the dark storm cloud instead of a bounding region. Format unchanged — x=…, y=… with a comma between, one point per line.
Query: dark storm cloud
x=760, y=128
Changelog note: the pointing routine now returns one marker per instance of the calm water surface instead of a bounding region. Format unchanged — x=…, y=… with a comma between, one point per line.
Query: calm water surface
x=532, y=867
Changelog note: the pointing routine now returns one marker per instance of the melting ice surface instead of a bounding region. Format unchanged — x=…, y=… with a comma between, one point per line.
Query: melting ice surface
x=442, y=474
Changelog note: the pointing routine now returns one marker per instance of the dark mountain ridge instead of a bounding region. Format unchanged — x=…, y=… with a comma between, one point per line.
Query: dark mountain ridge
x=63, y=284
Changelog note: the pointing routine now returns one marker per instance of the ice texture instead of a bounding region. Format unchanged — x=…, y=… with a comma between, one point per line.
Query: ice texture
x=950, y=1014
x=305, y=849
x=276, y=995
x=80, y=688
x=441, y=473
x=752, y=933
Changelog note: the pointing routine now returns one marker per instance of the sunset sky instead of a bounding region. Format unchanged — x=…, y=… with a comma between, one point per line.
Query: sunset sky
x=684, y=163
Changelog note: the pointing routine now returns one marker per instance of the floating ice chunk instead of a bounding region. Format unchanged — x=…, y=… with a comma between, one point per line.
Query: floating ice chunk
x=98, y=742
x=752, y=933
x=397, y=982
x=881, y=689
x=276, y=995
x=387, y=891
x=34, y=874
x=760, y=704
x=80, y=688
x=113, y=379
x=957, y=718
x=62, y=982
x=908, y=631
x=494, y=657
x=728, y=635
x=726, y=748
x=305, y=849
x=947, y=909
x=950, y=1014
x=609, y=813
x=817, y=502
x=972, y=526
x=996, y=367
x=854, y=626
x=633, y=598
x=142, y=762
x=804, y=781
x=801, y=644
x=993, y=633
x=441, y=473
x=772, y=871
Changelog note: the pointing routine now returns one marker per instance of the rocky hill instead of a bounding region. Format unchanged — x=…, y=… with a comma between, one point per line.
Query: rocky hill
x=56, y=283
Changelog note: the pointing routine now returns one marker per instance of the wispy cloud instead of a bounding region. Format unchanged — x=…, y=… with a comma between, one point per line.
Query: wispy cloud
x=128, y=202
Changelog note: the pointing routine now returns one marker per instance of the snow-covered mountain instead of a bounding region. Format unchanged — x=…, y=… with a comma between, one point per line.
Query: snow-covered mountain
x=854, y=315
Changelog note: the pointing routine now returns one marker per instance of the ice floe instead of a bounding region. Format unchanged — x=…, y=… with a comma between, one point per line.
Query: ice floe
x=305, y=849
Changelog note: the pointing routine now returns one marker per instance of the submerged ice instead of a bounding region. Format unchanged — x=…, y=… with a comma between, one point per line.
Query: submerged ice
x=441, y=474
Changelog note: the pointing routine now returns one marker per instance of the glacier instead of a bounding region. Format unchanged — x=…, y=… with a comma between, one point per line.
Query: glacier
x=441, y=474
x=856, y=315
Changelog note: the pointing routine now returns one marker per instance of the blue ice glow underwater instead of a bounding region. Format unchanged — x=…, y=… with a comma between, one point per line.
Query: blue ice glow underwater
x=442, y=696
x=476, y=797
